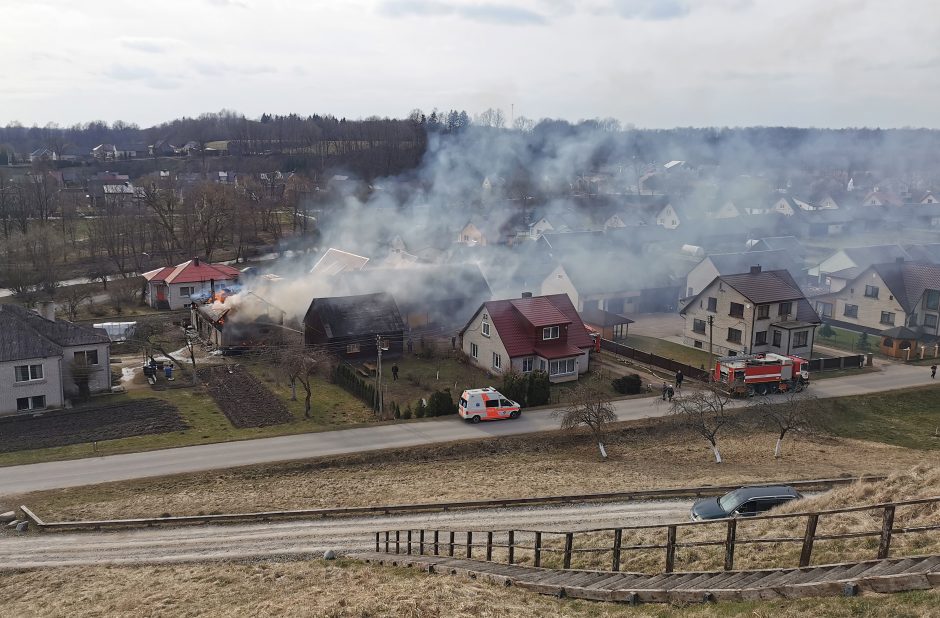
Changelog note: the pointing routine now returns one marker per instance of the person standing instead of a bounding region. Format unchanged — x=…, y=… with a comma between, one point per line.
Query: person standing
x=679, y=378
x=670, y=392
x=665, y=387
x=395, y=372
x=933, y=372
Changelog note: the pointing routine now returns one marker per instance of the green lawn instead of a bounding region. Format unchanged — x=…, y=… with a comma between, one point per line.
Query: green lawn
x=848, y=340
x=668, y=349
x=907, y=418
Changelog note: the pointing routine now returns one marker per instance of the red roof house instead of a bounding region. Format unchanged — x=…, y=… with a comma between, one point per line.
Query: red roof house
x=175, y=287
x=532, y=333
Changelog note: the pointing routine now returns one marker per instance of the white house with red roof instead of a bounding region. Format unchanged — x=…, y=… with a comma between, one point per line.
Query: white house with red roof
x=532, y=333
x=175, y=287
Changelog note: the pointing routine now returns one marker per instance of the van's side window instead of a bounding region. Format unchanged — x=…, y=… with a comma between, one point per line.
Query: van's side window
x=504, y=403
x=492, y=403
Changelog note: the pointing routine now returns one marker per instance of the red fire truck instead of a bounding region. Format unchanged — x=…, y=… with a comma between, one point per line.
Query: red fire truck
x=761, y=374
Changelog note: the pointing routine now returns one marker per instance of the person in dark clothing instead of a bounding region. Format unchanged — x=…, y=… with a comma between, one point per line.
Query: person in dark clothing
x=679, y=378
x=670, y=392
x=410, y=346
x=665, y=388
x=394, y=372
x=933, y=372
x=453, y=343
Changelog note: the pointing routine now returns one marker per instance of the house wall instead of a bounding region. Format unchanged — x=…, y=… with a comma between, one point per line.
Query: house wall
x=175, y=299
x=668, y=218
x=50, y=385
x=869, y=309
x=470, y=234
x=100, y=381
x=834, y=263
x=486, y=345
x=558, y=282
x=727, y=211
x=699, y=277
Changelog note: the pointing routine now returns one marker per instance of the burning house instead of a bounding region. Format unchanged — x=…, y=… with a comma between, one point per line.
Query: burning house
x=178, y=287
x=240, y=323
x=351, y=326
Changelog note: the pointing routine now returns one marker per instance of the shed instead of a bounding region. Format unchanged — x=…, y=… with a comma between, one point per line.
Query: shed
x=349, y=326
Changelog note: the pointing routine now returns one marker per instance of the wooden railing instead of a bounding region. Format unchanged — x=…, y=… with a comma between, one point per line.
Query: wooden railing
x=535, y=544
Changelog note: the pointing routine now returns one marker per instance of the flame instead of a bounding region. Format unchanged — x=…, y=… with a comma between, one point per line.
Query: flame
x=218, y=297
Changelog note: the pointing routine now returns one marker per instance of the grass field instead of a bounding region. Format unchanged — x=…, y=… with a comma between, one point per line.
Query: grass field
x=344, y=589
x=668, y=349
x=848, y=340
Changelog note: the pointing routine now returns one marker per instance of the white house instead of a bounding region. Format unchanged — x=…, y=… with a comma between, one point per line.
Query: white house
x=176, y=287
x=38, y=355
x=720, y=264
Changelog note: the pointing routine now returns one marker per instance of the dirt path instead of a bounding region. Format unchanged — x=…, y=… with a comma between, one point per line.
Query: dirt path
x=203, y=543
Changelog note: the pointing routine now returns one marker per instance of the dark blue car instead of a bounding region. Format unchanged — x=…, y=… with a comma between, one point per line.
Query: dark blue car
x=744, y=502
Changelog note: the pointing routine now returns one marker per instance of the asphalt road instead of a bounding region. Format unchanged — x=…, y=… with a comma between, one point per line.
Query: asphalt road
x=52, y=475
x=305, y=538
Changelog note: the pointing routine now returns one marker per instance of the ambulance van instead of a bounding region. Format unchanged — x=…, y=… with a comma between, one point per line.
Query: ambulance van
x=486, y=404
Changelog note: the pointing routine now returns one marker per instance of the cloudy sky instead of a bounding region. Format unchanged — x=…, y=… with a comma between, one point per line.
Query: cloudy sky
x=653, y=63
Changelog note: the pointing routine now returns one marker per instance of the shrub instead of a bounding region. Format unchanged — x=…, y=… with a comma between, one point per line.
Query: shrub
x=406, y=414
x=826, y=332
x=421, y=409
x=628, y=385
x=515, y=386
x=441, y=403
x=539, y=391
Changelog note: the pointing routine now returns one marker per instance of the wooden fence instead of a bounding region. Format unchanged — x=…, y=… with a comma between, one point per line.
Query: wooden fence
x=654, y=359
x=535, y=544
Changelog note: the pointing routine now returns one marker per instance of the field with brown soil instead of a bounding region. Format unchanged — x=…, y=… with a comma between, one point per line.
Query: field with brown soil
x=641, y=457
x=244, y=399
x=346, y=590
x=109, y=422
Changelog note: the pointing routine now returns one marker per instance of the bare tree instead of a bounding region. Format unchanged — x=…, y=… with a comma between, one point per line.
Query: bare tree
x=706, y=413
x=72, y=298
x=592, y=407
x=793, y=411
x=81, y=372
x=302, y=365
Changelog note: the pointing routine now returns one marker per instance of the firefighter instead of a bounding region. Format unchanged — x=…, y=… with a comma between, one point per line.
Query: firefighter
x=670, y=392
x=665, y=388
x=933, y=372
x=679, y=378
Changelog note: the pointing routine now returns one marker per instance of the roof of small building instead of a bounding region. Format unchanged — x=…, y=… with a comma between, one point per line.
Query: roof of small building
x=364, y=315
x=599, y=317
x=335, y=261
x=899, y=332
x=26, y=334
x=193, y=271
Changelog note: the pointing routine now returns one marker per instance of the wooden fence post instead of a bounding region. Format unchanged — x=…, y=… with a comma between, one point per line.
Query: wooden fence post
x=670, y=548
x=569, y=541
x=469, y=544
x=386, y=541
x=450, y=550
x=436, y=546
x=887, y=523
x=729, y=543
x=376, y=541
x=489, y=546
x=618, y=541
x=397, y=541
x=806, y=555
x=421, y=542
x=512, y=545
x=537, y=561
x=409, y=542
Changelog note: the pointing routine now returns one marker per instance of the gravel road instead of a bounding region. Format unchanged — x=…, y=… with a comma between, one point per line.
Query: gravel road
x=303, y=538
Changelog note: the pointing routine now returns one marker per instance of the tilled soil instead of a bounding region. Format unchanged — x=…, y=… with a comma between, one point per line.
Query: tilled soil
x=63, y=427
x=243, y=398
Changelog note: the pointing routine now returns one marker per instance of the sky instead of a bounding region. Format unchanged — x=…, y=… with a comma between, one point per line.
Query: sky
x=649, y=63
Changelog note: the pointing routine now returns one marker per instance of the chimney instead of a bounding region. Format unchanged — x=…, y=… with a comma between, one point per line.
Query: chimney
x=527, y=295
x=755, y=269
x=46, y=310
x=212, y=287
x=195, y=261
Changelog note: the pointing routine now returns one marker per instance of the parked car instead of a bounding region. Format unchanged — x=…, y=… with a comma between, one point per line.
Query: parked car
x=744, y=502
x=486, y=404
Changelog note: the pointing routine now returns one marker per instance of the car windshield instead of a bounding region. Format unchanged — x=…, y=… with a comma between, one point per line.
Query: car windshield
x=731, y=501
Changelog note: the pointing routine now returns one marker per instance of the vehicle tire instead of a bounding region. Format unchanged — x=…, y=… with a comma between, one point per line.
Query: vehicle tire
x=475, y=420
x=514, y=414
x=761, y=389
x=750, y=391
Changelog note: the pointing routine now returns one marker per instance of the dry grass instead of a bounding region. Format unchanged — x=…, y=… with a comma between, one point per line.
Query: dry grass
x=342, y=589
x=551, y=463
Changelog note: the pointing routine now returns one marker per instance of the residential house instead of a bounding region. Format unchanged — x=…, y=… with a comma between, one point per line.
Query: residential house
x=882, y=198
x=245, y=325
x=37, y=357
x=927, y=252
x=43, y=154
x=177, y=287
x=882, y=296
x=352, y=327
x=757, y=311
x=543, y=333
x=846, y=264
x=105, y=152
x=163, y=148
x=927, y=198
x=790, y=244
x=720, y=264
x=132, y=151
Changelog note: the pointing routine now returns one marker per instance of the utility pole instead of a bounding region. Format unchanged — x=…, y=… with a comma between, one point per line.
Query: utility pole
x=378, y=376
x=711, y=361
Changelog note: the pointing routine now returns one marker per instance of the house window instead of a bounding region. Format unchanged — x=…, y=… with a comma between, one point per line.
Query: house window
x=763, y=312
x=930, y=320
x=497, y=361
x=824, y=309
x=697, y=344
x=698, y=326
x=760, y=337
x=871, y=291
x=352, y=348
x=87, y=357
x=550, y=333
x=186, y=292
x=24, y=373
x=777, y=338
x=485, y=327
x=851, y=311
x=887, y=317
x=542, y=364
x=785, y=308
x=800, y=339
x=562, y=367
x=528, y=363
x=474, y=350
x=933, y=300
x=31, y=403
x=734, y=335
x=737, y=310
x=712, y=304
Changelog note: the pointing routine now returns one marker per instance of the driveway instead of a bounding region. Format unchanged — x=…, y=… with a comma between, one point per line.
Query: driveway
x=668, y=326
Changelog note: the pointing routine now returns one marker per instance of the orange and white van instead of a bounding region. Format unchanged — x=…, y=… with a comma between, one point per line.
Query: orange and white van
x=486, y=404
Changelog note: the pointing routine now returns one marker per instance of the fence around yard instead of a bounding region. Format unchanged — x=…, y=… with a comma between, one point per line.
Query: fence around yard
x=607, y=548
x=852, y=361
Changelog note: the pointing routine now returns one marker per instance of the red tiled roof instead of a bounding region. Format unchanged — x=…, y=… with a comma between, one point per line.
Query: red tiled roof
x=552, y=351
x=191, y=272
x=519, y=334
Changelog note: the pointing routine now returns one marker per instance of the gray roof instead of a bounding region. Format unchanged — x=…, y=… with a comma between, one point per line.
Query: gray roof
x=768, y=287
x=785, y=243
x=365, y=315
x=908, y=281
x=27, y=335
x=735, y=263
x=875, y=254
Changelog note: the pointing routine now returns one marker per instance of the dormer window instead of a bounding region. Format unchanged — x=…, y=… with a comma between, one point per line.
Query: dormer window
x=550, y=332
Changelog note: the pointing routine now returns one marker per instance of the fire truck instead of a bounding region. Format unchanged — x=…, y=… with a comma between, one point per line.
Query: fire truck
x=761, y=374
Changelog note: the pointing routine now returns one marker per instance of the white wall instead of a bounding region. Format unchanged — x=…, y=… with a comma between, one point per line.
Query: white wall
x=50, y=385
x=486, y=345
x=100, y=381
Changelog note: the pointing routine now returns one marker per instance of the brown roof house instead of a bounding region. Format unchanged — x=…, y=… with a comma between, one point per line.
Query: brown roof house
x=757, y=311
x=543, y=333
